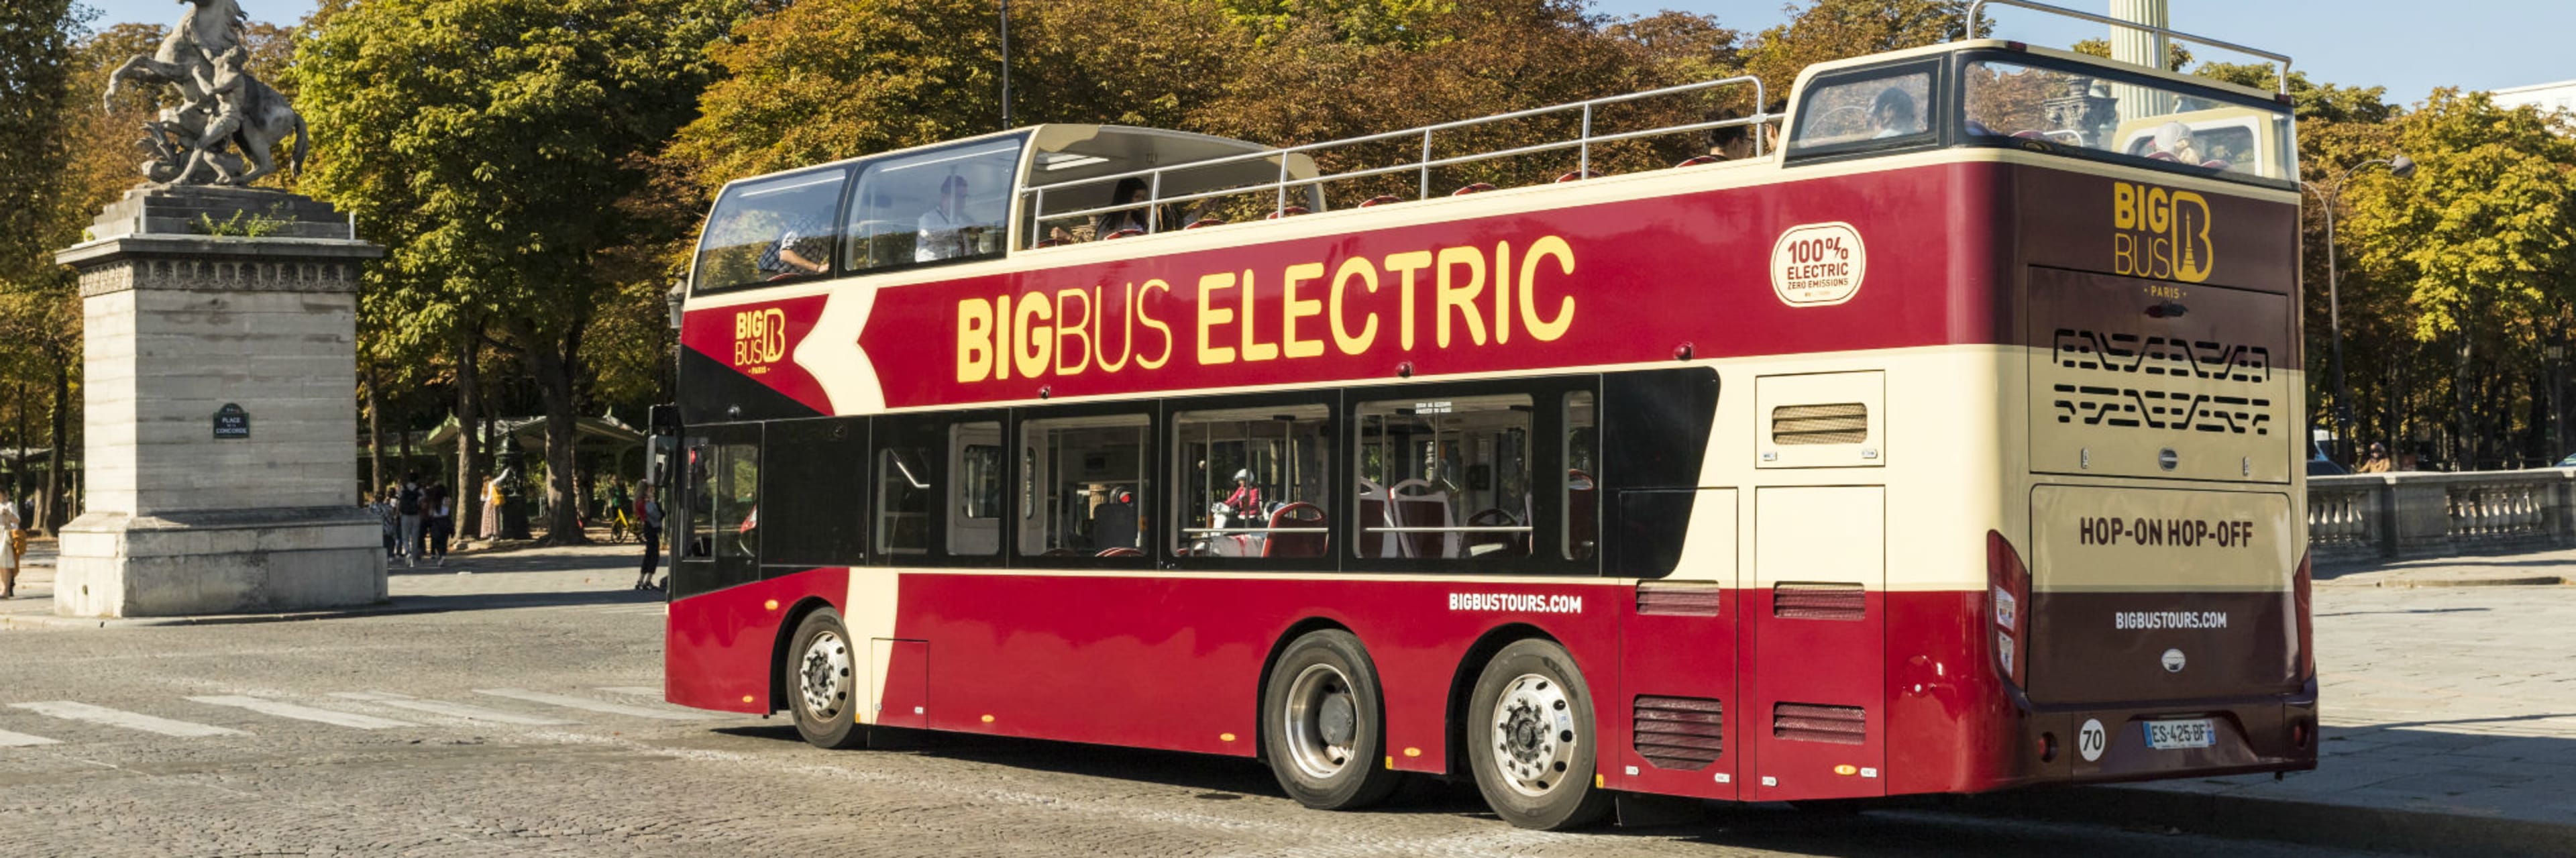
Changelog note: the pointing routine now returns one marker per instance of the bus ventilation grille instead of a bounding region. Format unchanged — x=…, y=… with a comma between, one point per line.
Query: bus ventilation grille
x=1679, y=598
x=1679, y=732
x=1819, y=601
x=1839, y=423
x=1815, y=722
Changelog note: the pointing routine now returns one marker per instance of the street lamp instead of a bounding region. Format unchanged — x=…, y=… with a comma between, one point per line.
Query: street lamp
x=2332, y=196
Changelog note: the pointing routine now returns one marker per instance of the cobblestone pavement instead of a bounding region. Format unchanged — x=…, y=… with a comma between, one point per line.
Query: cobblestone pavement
x=537, y=729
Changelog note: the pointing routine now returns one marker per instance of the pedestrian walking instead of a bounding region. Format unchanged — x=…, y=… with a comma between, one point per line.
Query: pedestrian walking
x=385, y=512
x=407, y=505
x=13, y=545
x=648, y=517
x=442, y=523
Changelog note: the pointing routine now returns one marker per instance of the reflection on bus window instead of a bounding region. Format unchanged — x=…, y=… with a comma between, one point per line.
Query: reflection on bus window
x=943, y=205
x=1252, y=482
x=975, y=519
x=698, y=542
x=737, y=507
x=773, y=229
x=1886, y=109
x=1582, y=467
x=903, y=501
x=1445, y=477
x=2075, y=107
x=1086, y=474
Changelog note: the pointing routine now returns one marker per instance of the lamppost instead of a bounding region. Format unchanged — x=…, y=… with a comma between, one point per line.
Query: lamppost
x=2332, y=196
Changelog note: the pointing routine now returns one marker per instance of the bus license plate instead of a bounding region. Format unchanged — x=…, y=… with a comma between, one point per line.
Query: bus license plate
x=2179, y=735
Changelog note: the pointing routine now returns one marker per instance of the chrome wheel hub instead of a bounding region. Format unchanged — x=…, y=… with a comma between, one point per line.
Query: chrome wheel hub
x=823, y=676
x=1322, y=721
x=1534, y=739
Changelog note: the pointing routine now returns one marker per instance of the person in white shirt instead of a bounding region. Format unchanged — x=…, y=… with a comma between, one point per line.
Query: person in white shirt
x=946, y=232
x=13, y=543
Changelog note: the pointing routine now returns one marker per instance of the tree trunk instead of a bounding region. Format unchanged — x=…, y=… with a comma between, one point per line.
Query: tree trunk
x=52, y=517
x=375, y=441
x=552, y=364
x=469, y=411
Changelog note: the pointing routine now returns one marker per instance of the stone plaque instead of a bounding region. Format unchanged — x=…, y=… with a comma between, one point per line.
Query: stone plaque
x=231, y=423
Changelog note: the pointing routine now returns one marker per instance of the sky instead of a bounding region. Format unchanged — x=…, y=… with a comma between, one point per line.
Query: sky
x=2476, y=44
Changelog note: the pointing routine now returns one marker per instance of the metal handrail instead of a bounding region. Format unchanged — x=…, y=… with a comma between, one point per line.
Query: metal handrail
x=1976, y=12
x=1424, y=165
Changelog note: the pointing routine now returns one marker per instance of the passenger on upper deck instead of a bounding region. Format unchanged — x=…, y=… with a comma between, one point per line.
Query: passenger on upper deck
x=1893, y=114
x=1108, y=223
x=1731, y=143
x=946, y=230
x=2174, y=138
x=784, y=258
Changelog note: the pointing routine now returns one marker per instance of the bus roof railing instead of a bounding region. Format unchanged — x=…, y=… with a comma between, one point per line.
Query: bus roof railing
x=1583, y=142
x=1977, y=9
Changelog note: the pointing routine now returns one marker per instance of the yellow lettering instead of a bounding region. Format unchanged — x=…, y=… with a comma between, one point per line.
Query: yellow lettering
x=1355, y=267
x=1154, y=323
x=2124, y=254
x=1253, y=349
x=1448, y=296
x=1211, y=316
x=1068, y=329
x=1037, y=340
x=1407, y=263
x=1002, y=338
x=1546, y=330
x=1292, y=309
x=1502, y=292
x=2159, y=210
x=2124, y=205
x=1126, y=339
x=974, y=340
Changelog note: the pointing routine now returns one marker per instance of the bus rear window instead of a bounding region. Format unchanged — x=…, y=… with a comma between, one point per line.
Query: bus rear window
x=771, y=230
x=2080, y=110
x=1867, y=112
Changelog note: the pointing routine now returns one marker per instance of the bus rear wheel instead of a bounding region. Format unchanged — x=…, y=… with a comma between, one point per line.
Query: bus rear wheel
x=1323, y=726
x=1530, y=739
x=820, y=676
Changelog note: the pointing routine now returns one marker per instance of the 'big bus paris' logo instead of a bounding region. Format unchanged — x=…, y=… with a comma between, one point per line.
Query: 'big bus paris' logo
x=759, y=339
x=2159, y=233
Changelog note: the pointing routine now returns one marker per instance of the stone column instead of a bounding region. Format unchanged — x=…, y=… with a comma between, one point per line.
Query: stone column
x=219, y=376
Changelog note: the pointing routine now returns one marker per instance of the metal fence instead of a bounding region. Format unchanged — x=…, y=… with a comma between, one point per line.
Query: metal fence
x=2364, y=517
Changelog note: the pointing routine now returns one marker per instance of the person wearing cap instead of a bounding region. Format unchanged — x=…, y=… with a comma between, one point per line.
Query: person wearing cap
x=946, y=232
x=2377, y=462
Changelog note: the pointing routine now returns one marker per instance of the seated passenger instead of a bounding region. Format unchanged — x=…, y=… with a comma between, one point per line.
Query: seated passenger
x=2174, y=138
x=1245, y=502
x=789, y=255
x=1109, y=223
x=1893, y=114
x=1731, y=143
x=946, y=232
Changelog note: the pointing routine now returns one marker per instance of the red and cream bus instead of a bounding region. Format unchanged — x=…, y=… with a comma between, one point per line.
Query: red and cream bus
x=1950, y=446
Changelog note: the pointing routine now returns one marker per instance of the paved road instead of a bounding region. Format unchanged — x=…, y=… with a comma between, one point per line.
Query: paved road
x=536, y=730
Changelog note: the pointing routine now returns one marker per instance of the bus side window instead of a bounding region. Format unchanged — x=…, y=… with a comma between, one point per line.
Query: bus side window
x=696, y=540
x=1445, y=477
x=771, y=230
x=1582, y=476
x=1252, y=482
x=1079, y=492
x=737, y=501
x=903, y=501
x=943, y=205
x=975, y=507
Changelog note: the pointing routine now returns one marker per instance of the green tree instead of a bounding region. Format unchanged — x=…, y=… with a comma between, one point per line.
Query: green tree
x=486, y=142
x=1829, y=30
x=39, y=205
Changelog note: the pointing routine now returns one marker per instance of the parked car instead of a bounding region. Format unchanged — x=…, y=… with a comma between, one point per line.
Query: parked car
x=2322, y=465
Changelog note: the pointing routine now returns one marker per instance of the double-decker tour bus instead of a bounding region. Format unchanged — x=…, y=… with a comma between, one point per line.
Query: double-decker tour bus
x=1950, y=445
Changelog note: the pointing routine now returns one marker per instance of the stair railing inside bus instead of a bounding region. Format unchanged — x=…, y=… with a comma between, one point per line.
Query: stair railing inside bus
x=1977, y=10
x=1582, y=143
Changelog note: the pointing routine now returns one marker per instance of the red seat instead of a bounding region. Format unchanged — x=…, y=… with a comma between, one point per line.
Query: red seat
x=1123, y=233
x=1119, y=552
x=1381, y=199
x=1578, y=175
x=2215, y=164
x=1477, y=188
x=2160, y=156
x=1698, y=160
x=1287, y=212
x=1299, y=515
x=1205, y=221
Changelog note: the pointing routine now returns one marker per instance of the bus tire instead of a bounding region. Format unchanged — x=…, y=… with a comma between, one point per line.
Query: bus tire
x=1531, y=741
x=821, y=678
x=1323, y=723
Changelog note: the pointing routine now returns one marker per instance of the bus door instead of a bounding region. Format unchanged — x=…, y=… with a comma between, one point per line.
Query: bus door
x=718, y=510
x=1817, y=609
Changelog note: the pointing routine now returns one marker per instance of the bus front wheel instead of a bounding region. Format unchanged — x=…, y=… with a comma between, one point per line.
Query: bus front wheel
x=1531, y=740
x=1323, y=725
x=820, y=676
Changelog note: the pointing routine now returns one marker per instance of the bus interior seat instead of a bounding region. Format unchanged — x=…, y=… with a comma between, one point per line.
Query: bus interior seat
x=1373, y=514
x=1579, y=175
x=1477, y=188
x=1114, y=525
x=1698, y=160
x=1124, y=233
x=1210, y=220
x=1426, y=508
x=1290, y=211
x=1381, y=199
x=1298, y=514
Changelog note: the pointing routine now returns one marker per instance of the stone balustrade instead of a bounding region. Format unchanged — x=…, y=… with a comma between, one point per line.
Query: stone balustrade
x=2364, y=517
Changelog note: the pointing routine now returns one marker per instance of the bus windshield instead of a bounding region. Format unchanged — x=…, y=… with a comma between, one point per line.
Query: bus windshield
x=2080, y=110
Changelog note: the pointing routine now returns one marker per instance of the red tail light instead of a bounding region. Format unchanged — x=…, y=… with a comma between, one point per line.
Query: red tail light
x=2304, y=603
x=2008, y=608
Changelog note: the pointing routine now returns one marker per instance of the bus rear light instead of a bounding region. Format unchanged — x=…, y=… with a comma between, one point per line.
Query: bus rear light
x=2048, y=747
x=2007, y=606
x=2299, y=734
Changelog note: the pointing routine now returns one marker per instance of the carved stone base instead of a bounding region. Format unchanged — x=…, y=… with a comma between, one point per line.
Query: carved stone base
x=115, y=565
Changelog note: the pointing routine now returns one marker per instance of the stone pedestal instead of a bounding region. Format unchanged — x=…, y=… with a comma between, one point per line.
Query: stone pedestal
x=220, y=425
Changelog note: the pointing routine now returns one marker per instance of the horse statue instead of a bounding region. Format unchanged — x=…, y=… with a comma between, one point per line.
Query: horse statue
x=220, y=104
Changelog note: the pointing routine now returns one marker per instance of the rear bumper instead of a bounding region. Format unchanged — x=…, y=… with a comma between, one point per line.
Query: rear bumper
x=2271, y=733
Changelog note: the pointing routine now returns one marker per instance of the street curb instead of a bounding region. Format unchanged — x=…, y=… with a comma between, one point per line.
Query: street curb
x=391, y=609
x=2408, y=583
x=2344, y=826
